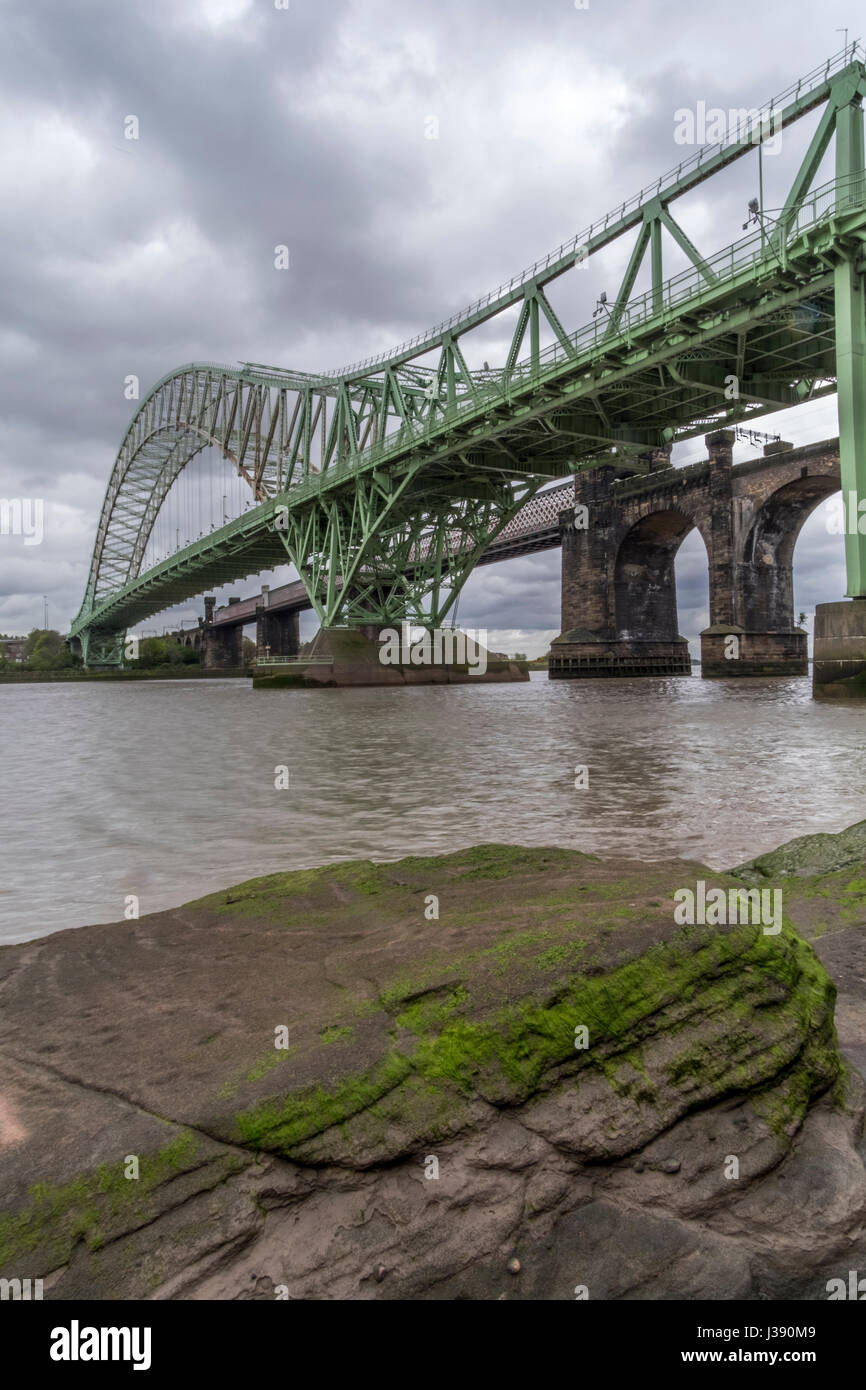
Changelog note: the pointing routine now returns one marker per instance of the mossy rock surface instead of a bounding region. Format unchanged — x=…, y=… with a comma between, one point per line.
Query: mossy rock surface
x=808, y=856
x=411, y=1002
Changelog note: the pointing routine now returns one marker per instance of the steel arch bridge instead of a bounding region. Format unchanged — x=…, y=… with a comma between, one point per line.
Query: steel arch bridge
x=383, y=483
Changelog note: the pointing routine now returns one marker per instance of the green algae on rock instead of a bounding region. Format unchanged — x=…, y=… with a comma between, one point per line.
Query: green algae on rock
x=746, y=1006
x=553, y=1039
x=809, y=855
x=99, y=1204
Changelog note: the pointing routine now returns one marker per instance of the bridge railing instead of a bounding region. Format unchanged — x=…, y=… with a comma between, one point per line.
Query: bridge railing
x=294, y=661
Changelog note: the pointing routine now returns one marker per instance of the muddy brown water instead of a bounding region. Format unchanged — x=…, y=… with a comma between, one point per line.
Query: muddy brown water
x=166, y=790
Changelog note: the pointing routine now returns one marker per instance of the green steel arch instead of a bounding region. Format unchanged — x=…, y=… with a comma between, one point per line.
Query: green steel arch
x=383, y=482
x=195, y=406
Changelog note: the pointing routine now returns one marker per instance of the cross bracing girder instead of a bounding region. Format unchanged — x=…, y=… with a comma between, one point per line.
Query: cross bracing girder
x=417, y=430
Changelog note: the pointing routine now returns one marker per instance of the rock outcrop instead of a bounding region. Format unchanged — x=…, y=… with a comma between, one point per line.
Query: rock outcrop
x=396, y=1080
x=809, y=856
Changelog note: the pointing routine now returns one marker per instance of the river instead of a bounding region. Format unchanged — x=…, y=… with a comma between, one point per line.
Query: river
x=166, y=790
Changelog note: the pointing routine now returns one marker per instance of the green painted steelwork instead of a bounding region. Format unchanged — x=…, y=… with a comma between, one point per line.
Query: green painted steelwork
x=850, y=311
x=384, y=482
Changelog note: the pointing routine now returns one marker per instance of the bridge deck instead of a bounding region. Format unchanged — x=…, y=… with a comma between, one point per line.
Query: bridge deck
x=536, y=527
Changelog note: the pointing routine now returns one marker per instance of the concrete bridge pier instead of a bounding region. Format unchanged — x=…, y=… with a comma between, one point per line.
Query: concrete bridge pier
x=353, y=656
x=839, y=664
x=730, y=650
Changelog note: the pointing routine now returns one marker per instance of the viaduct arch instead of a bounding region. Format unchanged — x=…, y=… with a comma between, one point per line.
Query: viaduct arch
x=619, y=546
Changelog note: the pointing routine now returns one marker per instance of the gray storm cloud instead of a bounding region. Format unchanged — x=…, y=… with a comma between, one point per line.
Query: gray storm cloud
x=306, y=126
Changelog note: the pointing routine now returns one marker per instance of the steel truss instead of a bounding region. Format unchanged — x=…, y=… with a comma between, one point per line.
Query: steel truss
x=363, y=477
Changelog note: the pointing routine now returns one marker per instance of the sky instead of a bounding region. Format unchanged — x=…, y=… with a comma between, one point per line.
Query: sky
x=308, y=124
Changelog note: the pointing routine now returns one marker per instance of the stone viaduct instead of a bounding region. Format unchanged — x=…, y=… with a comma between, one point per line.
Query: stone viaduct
x=219, y=637
x=619, y=544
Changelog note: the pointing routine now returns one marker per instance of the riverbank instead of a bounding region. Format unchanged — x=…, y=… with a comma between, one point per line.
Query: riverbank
x=371, y=1080
x=159, y=673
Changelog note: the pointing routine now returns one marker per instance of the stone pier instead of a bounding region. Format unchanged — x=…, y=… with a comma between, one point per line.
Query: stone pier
x=277, y=633
x=222, y=645
x=619, y=546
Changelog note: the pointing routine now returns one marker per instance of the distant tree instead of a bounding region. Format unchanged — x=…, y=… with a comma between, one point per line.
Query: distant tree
x=520, y=656
x=45, y=650
x=249, y=652
x=163, y=651
x=151, y=652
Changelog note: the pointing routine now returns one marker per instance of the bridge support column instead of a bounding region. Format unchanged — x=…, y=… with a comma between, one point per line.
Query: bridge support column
x=752, y=631
x=222, y=647
x=614, y=623
x=277, y=634
x=102, y=650
x=730, y=650
x=348, y=656
x=849, y=293
x=724, y=607
x=839, y=666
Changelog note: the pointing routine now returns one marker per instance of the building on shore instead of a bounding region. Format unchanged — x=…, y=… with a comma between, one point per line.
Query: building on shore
x=13, y=648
